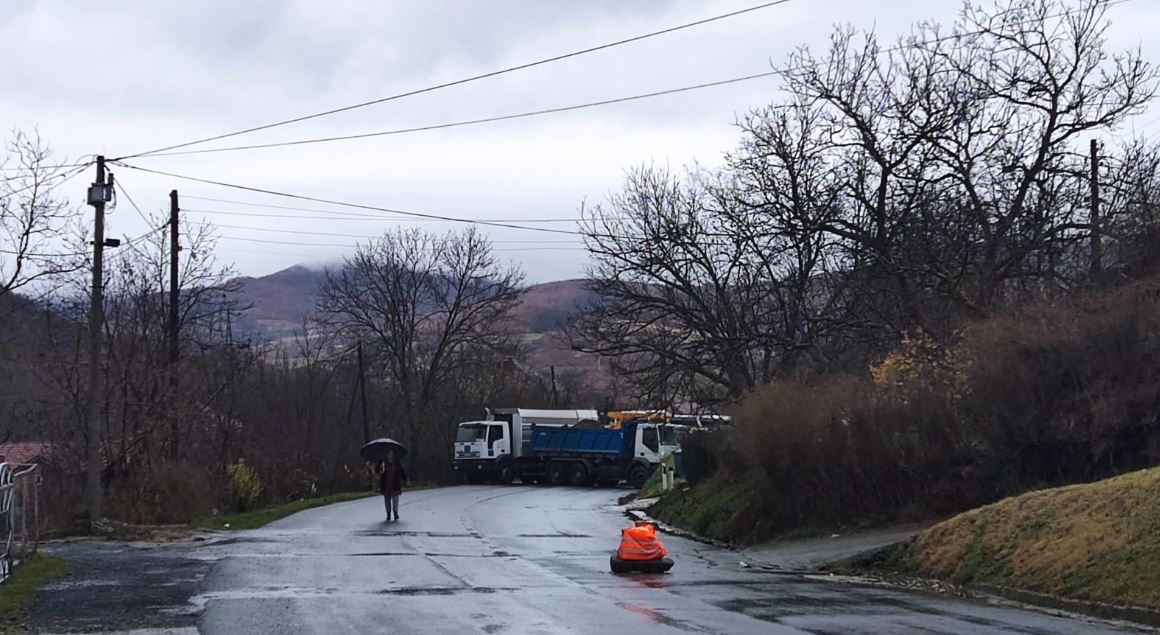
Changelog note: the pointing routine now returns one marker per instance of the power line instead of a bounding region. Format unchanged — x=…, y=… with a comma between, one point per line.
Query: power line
x=462, y=81
x=342, y=215
x=364, y=236
x=289, y=207
x=288, y=242
x=64, y=178
x=352, y=205
x=472, y=122
x=353, y=246
x=121, y=187
x=133, y=241
x=35, y=168
x=367, y=217
x=67, y=281
x=535, y=113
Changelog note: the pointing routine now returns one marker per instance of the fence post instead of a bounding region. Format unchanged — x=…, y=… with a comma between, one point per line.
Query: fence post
x=24, y=518
x=36, y=512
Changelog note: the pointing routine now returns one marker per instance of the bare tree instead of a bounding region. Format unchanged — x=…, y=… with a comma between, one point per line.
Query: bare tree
x=32, y=216
x=702, y=296
x=960, y=150
x=424, y=304
x=897, y=188
x=143, y=415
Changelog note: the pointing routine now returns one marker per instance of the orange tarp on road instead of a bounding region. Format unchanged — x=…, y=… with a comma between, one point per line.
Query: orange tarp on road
x=640, y=543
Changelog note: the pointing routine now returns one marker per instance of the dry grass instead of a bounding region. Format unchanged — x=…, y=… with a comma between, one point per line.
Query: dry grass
x=1097, y=542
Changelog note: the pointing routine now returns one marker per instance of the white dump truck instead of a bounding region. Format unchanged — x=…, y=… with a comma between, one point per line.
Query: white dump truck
x=514, y=443
x=488, y=449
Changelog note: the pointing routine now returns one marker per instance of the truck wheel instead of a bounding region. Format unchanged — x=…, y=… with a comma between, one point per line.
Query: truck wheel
x=638, y=475
x=578, y=475
x=504, y=474
x=557, y=473
x=474, y=478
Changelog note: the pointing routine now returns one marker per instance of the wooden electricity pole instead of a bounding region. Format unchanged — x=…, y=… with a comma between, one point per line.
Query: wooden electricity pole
x=100, y=192
x=362, y=390
x=1097, y=255
x=172, y=327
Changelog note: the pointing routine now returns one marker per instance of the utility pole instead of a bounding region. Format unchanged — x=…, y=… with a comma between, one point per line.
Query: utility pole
x=174, y=299
x=1097, y=255
x=100, y=192
x=174, y=290
x=362, y=390
x=554, y=393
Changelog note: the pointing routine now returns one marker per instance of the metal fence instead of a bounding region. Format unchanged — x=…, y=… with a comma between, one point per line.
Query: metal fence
x=19, y=514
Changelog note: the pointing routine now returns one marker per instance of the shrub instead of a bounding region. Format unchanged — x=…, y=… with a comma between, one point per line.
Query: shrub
x=245, y=486
x=699, y=456
x=1052, y=394
x=169, y=493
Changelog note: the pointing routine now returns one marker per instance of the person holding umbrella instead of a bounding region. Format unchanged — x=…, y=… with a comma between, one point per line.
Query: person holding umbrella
x=391, y=478
x=388, y=454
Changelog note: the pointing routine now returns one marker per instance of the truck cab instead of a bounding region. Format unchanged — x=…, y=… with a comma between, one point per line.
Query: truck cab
x=656, y=441
x=482, y=440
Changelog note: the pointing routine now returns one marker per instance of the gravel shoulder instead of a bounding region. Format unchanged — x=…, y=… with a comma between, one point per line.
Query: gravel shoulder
x=117, y=586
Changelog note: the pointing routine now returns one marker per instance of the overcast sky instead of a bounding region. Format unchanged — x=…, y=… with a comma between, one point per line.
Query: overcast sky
x=119, y=77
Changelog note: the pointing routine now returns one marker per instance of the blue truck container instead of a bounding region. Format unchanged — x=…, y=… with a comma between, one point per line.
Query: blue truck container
x=583, y=456
x=569, y=441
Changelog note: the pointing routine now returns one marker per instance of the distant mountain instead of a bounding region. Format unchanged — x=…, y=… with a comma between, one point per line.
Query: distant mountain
x=278, y=302
x=545, y=307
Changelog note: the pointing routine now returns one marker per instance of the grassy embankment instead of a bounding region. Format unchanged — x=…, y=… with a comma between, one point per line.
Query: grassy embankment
x=18, y=591
x=259, y=517
x=713, y=509
x=1097, y=542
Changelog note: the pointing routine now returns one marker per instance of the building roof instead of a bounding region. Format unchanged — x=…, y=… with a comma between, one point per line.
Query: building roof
x=24, y=452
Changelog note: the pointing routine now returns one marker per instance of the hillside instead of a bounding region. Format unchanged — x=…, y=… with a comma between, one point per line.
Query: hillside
x=1096, y=542
x=279, y=301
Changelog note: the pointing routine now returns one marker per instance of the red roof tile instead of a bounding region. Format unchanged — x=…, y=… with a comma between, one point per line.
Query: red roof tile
x=24, y=452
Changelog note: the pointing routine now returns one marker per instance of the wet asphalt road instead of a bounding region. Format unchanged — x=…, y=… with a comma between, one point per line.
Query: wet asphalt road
x=535, y=560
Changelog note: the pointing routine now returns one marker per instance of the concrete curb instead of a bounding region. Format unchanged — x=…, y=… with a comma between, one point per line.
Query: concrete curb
x=638, y=514
x=1131, y=614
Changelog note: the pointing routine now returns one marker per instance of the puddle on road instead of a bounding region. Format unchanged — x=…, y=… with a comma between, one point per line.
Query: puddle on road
x=427, y=554
x=652, y=583
x=298, y=592
x=70, y=585
x=660, y=618
x=423, y=534
x=413, y=591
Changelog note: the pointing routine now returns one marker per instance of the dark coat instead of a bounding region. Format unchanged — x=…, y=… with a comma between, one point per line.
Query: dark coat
x=400, y=476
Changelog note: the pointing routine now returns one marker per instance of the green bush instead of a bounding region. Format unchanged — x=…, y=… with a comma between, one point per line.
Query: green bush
x=245, y=486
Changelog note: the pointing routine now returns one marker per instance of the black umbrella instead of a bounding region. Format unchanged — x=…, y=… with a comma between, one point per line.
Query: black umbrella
x=376, y=451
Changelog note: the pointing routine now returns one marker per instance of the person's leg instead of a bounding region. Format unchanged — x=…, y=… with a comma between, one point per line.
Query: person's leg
x=395, y=504
x=387, y=504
